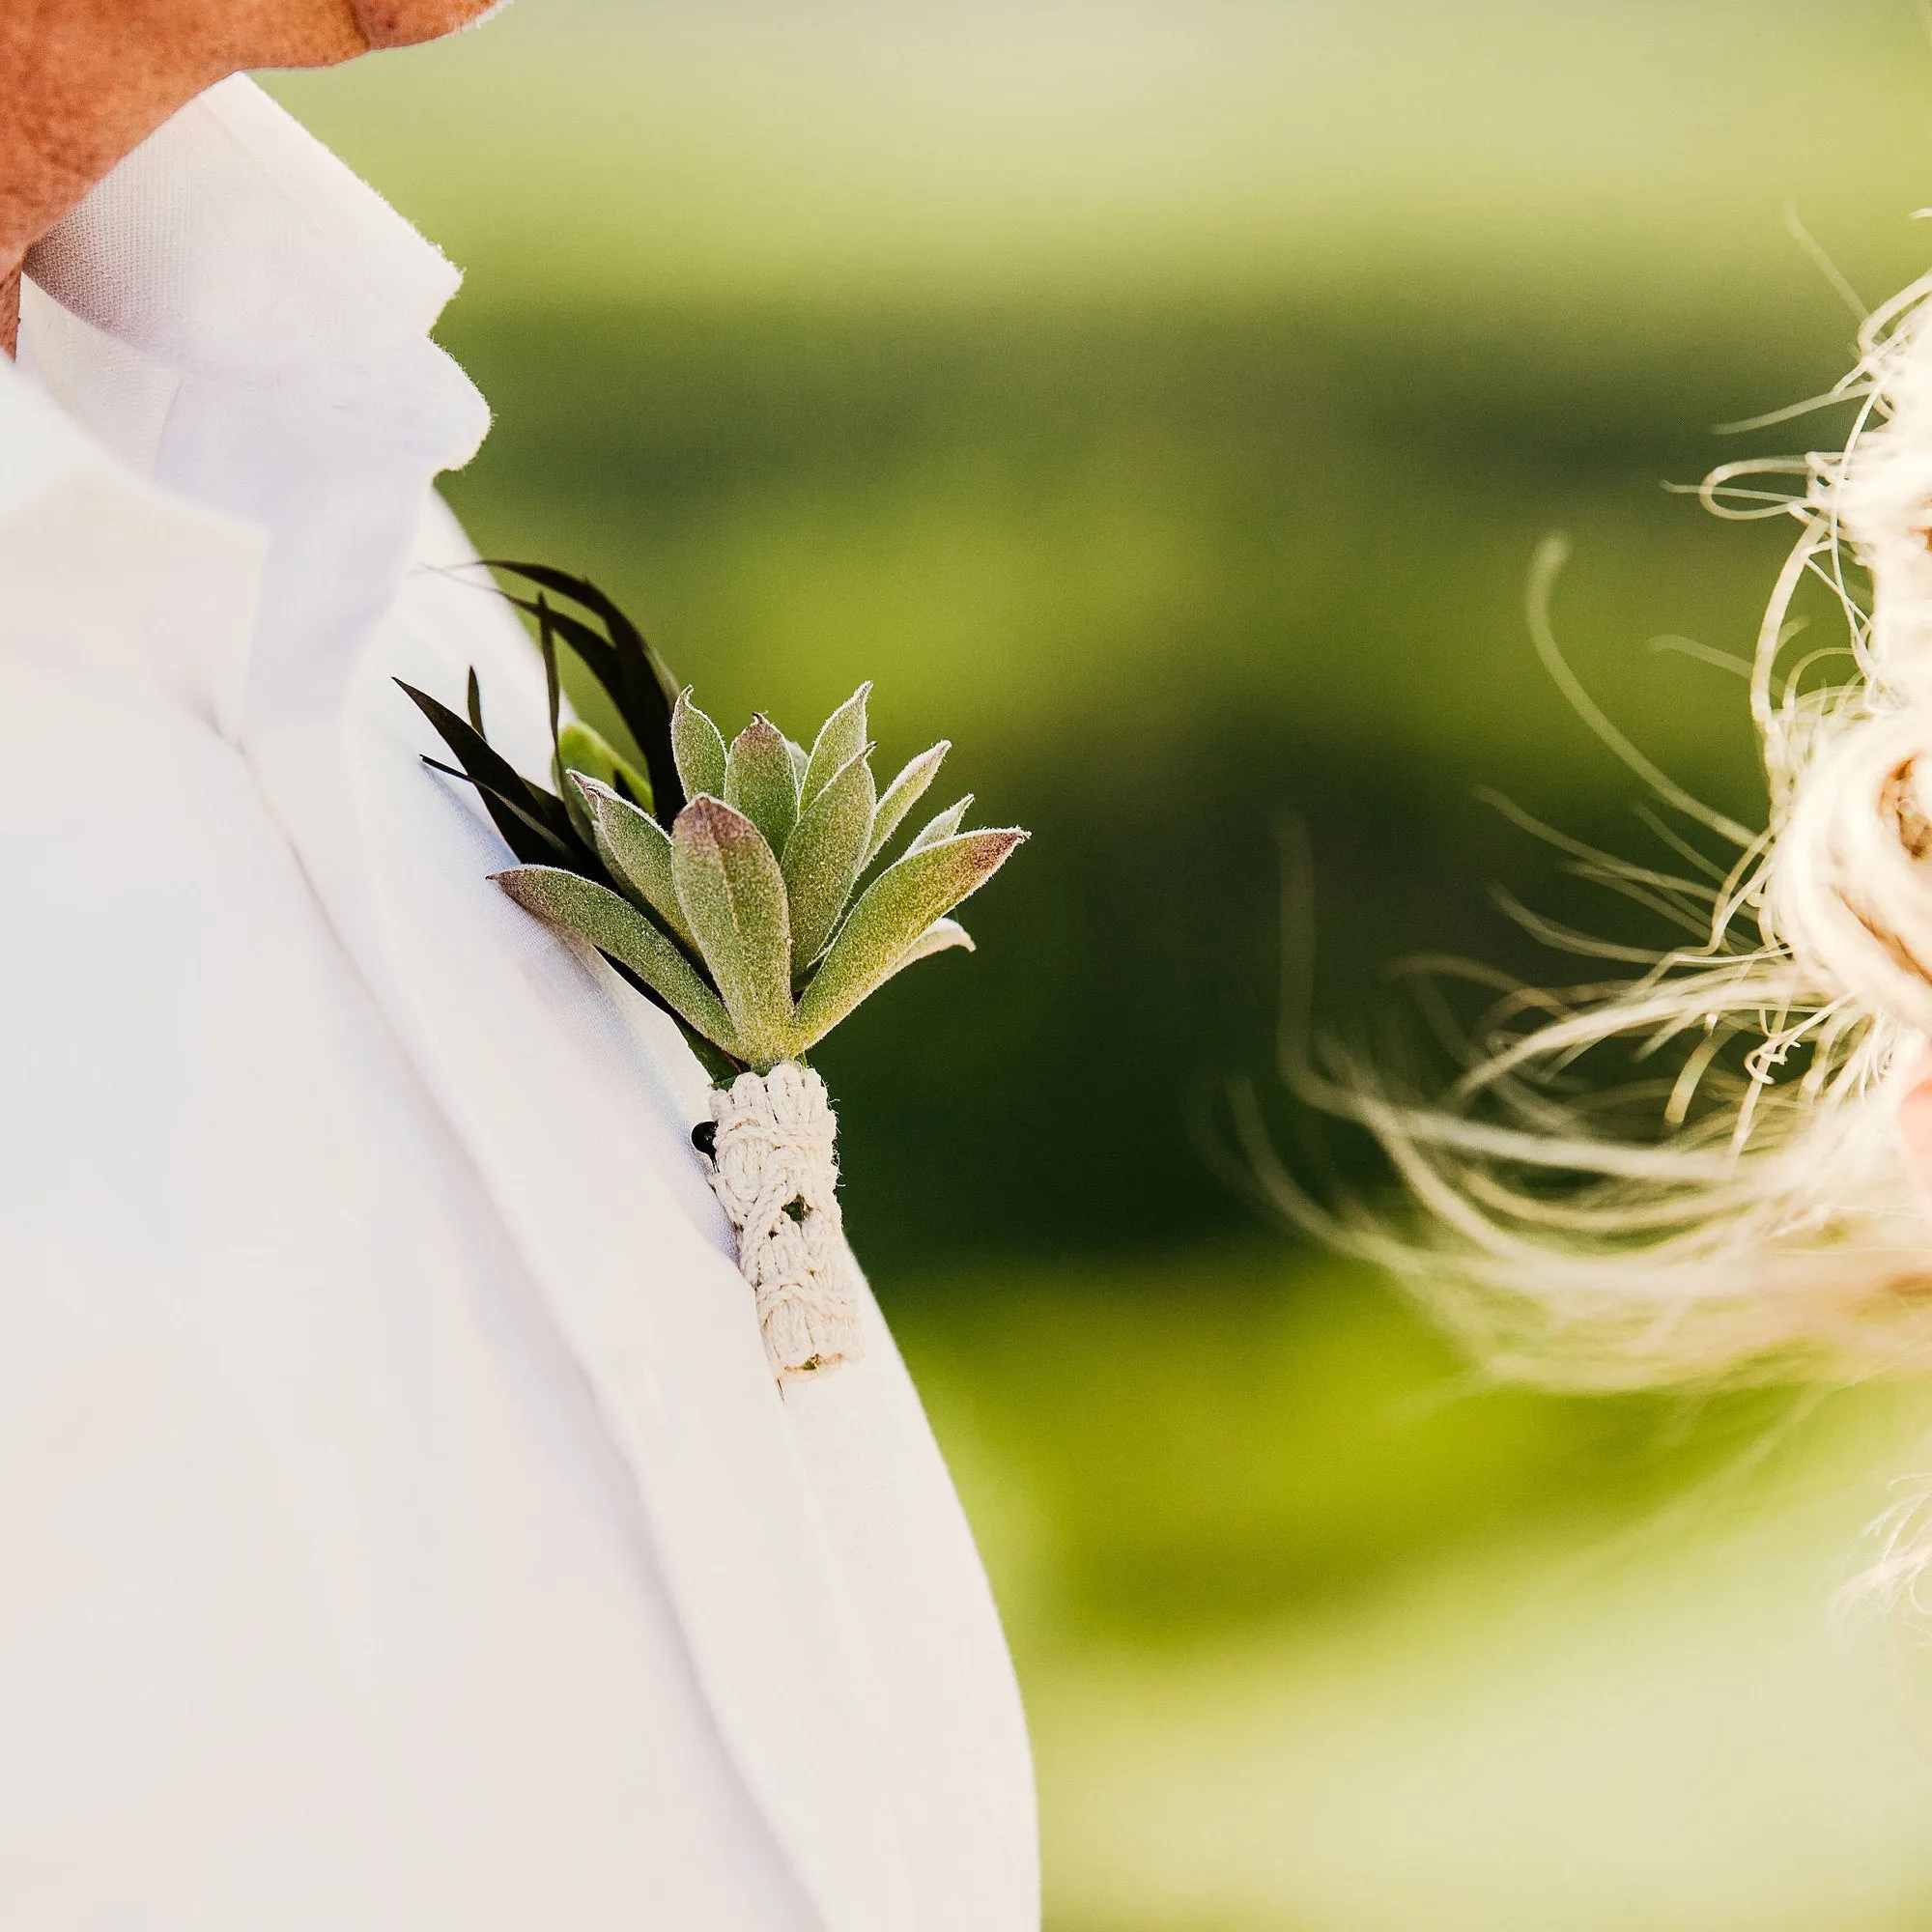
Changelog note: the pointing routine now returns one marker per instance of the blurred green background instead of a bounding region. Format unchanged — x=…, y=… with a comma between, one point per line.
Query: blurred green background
x=1163, y=399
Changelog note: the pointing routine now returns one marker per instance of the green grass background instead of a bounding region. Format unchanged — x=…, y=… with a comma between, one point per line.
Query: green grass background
x=1163, y=402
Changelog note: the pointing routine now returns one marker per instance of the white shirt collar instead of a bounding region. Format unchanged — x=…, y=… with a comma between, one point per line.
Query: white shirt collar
x=233, y=316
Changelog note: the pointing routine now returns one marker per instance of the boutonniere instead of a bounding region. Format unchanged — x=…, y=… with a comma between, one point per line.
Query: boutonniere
x=747, y=890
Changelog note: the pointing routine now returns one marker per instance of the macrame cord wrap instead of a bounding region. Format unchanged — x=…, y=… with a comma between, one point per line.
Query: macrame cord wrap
x=774, y=1169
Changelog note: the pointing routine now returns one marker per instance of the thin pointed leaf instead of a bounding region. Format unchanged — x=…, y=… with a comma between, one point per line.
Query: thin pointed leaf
x=596, y=914
x=521, y=830
x=891, y=912
x=579, y=589
x=626, y=639
x=553, y=679
x=633, y=677
x=636, y=850
x=522, y=812
x=531, y=841
x=554, y=702
x=759, y=780
x=942, y=827
x=900, y=796
x=801, y=758
x=582, y=590
x=699, y=747
x=472, y=695
x=722, y=1066
x=823, y=858
x=475, y=753
x=484, y=762
x=841, y=739
x=607, y=664
x=943, y=935
x=599, y=654
x=734, y=903
x=527, y=835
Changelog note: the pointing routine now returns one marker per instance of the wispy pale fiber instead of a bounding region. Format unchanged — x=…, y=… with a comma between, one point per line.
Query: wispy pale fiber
x=1742, y=1206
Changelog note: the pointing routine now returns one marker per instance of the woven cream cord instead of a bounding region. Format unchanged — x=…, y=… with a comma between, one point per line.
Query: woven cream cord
x=775, y=1168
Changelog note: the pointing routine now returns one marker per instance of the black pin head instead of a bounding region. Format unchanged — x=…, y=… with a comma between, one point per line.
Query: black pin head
x=704, y=1138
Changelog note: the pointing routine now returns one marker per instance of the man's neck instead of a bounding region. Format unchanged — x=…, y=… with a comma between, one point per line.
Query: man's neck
x=78, y=99
x=89, y=81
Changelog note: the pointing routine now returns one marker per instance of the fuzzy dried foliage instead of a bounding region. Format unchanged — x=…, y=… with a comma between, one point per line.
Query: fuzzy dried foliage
x=743, y=888
x=1763, y=1221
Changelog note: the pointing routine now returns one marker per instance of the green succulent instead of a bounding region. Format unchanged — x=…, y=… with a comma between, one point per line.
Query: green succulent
x=745, y=887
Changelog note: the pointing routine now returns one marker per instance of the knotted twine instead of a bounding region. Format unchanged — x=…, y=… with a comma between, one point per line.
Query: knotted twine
x=775, y=1170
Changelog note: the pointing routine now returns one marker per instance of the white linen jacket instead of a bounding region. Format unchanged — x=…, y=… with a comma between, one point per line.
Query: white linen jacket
x=399, y=1526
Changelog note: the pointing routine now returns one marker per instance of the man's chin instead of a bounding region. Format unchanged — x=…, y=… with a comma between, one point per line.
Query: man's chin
x=408, y=23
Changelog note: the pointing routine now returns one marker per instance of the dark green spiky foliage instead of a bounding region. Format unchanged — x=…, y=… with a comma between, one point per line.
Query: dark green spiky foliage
x=719, y=879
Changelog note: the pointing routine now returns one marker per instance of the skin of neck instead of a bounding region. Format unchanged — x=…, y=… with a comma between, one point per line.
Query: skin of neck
x=89, y=81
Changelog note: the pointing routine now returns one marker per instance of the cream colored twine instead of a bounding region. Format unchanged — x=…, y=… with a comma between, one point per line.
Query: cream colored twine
x=774, y=1169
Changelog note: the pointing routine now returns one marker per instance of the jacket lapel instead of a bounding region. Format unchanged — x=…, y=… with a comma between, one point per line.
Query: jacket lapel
x=315, y=413
x=579, y=1132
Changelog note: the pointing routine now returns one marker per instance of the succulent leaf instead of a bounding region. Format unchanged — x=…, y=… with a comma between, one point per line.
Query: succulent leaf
x=733, y=898
x=716, y=879
x=824, y=856
x=636, y=851
x=579, y=749
x=903, y=793
x=573, y=804
x=943, y=935
x=699, y=748
x=760, y=782
x=942, y=827
x=583, y=751
x=893, y=911
x=594, y=913
x=841, y=739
